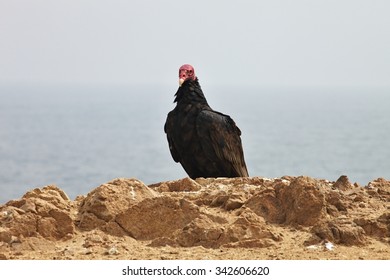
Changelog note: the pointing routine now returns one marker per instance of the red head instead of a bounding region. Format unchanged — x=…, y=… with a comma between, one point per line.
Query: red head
x=186, y=72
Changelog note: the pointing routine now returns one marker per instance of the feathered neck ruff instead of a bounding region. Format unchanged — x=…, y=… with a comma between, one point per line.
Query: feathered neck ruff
x=189, y=92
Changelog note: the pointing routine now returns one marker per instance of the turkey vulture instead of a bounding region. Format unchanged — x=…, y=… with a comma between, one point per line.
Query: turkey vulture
x=206, y=143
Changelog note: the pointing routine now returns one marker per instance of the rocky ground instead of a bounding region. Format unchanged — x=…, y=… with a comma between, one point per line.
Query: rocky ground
x=239, y=218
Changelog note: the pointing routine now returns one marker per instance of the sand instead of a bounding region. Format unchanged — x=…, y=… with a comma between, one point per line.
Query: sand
x=288, y=218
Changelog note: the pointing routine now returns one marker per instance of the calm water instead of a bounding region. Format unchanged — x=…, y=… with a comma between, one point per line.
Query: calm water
x=80, y=137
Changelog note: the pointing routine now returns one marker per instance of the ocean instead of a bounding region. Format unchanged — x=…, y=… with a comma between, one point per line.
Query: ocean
x=78, y=137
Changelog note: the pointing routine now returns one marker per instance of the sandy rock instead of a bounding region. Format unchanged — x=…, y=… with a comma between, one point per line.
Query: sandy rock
x=227, y=200
x=212, y=231
x=157, y=217
x=5, y=235
x=340, y=232
x=202, y=231
x=181, y=185
x=248, y=227
x=379, y=188
x=267, y=204
x=303, y=201
x=343, y=183
x=300, y=202
x=203, y=218
x=232, y=182
x=226, y=193
x=378, y=227
x=103, y=203
x=41, y=212
x=336, y=202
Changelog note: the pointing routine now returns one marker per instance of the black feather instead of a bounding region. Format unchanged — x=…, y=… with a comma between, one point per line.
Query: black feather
x=206, y=143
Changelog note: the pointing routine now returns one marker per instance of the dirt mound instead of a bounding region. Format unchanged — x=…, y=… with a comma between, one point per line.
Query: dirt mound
x=103, y=204
x=292, y=216
x=42, y=212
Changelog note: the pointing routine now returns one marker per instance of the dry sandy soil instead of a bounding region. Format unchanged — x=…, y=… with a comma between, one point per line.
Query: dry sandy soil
x=239, y=218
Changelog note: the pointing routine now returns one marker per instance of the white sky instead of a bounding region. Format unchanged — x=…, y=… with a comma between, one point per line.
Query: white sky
x=260, y=43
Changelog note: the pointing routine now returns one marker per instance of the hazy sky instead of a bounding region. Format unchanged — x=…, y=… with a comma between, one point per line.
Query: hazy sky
x=260, y=43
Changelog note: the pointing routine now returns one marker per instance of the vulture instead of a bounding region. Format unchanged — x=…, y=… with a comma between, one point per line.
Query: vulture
x=207, y=143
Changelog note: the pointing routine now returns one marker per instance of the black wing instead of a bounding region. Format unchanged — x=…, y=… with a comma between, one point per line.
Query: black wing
x=220, y=139
x=168, y=129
